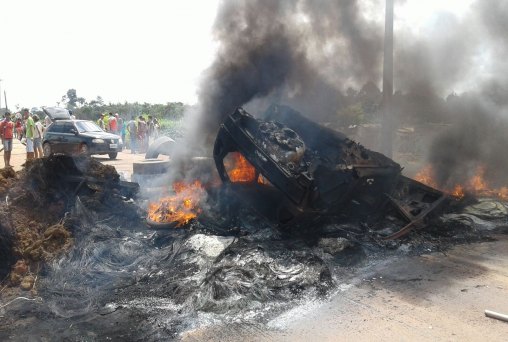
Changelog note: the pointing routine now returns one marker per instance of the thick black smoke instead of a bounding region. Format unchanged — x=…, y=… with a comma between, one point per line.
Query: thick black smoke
x=476, y=139
x=474, y=53
x=306, y=53
x=288, y=51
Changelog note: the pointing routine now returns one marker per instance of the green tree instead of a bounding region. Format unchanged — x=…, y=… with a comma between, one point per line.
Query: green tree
x=72, y=100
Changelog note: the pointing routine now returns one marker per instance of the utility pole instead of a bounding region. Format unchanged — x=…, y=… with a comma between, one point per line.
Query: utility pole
x=5, y=97
x=388, y=124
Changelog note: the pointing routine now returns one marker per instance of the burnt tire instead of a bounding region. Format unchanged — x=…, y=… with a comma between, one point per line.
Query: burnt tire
x=113, y=155
x=151, y=167
x=47, y=150
x=163, y=145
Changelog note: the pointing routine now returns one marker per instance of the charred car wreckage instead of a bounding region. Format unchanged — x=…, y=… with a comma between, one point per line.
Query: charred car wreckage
x=320, y=171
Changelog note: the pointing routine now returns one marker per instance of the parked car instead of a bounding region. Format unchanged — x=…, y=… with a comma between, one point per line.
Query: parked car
x=77, y=137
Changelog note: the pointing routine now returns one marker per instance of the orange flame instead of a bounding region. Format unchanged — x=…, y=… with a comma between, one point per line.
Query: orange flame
x=426, y=176
x=458, y=192
x=477, y=185
x=180, y=208
x=239, y=169
x=263, y=180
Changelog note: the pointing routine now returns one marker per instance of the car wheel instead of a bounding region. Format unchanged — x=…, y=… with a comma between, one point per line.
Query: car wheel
x=46, y=150
x=83, y=150
x=112, y=155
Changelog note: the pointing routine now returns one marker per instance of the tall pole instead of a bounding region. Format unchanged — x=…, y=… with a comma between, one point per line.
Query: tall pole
x=387, y=125
x=5, y=97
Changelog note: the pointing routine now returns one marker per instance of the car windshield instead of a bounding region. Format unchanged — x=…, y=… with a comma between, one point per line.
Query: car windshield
x=87, y=126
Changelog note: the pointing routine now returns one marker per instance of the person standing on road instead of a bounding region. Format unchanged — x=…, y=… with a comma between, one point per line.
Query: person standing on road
x=7, y=134
x=38, y=134
x=105, y=120
x=113, y=124
x=121, y=128
x=132, y=128
x=150, y=124
x=19, y=129
x=156, y=127
x=100, y=122
x=142, y=132
x=30, y=133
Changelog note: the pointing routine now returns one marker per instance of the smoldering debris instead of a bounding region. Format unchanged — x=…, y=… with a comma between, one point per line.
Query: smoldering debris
x=119, y=279
x=35, y=226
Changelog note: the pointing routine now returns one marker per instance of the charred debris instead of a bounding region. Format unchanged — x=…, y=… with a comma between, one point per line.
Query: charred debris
x=36, y=214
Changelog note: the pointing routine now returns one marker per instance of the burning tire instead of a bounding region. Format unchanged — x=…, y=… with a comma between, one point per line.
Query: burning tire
x=161, y=225
x=179, y=208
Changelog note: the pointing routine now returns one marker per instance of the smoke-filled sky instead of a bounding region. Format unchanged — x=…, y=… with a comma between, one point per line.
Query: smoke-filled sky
x=306, y=53
x=153, y=50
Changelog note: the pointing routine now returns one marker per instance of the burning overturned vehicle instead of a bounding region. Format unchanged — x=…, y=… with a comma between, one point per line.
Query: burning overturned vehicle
x=319, y=171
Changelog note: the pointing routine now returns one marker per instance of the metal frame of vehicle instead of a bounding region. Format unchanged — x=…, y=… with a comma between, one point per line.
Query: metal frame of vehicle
x=334, y=176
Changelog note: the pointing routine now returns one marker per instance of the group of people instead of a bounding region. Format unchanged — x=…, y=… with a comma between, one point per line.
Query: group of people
x=28, y=128
x=140, y=130
x=111, y=123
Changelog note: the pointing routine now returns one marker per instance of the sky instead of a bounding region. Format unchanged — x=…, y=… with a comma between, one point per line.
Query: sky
x=147, y=51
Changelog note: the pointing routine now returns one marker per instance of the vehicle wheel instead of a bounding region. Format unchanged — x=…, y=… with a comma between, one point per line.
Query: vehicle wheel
x=83, y=150
x=112, y=155
x=46, y=150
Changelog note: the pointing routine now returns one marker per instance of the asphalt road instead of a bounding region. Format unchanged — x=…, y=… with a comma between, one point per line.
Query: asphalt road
x=433, y=297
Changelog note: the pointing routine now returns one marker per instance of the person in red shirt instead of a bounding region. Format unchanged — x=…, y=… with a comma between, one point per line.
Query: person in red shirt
x=113, y=124
x=7, y=133
x=19, y=128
